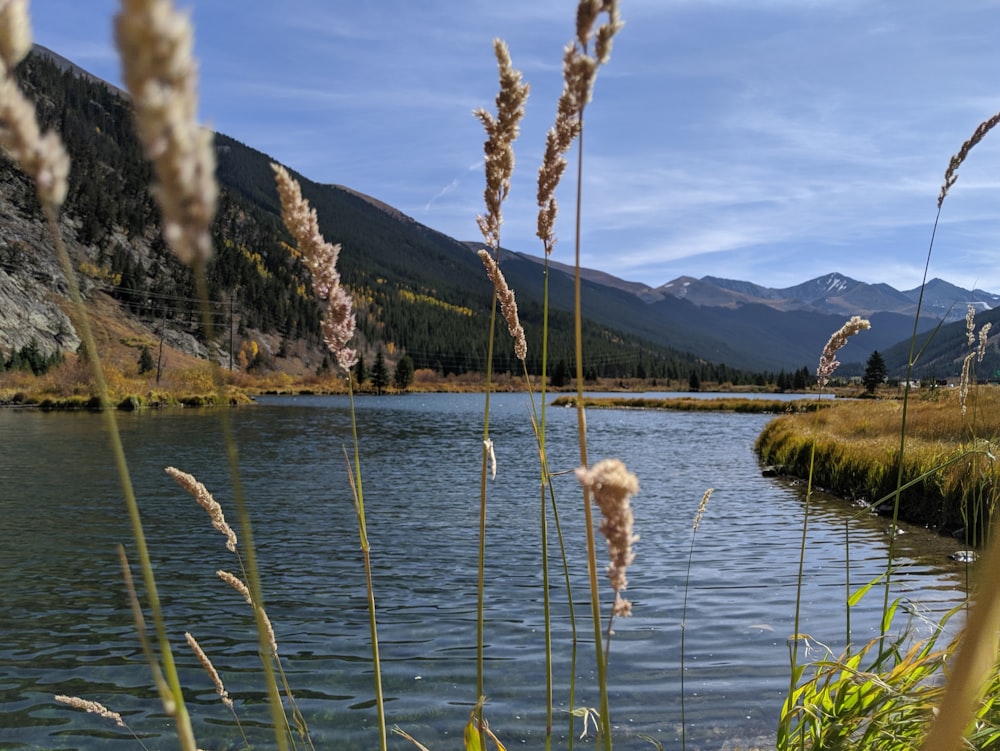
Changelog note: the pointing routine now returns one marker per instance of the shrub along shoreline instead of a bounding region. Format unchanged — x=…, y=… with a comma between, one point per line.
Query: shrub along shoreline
x=948, y=475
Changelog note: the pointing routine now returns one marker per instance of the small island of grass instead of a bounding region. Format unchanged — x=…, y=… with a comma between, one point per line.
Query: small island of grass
x=695, y=404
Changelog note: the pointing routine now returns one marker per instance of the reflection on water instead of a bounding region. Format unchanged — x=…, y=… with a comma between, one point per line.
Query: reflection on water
x=66, y=626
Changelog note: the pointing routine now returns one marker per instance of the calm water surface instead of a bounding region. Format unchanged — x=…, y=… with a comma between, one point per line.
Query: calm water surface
x=65, y=626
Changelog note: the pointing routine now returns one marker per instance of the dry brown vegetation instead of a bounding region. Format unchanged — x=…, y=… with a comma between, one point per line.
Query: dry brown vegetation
x=948, y=456
x=694, y=404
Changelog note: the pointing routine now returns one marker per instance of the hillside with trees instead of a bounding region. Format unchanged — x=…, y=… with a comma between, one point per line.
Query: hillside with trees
x=417, y=293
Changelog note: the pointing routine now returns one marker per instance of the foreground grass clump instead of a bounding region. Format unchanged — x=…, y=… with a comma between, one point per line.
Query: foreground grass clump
x=880, y=696
x=948, y=476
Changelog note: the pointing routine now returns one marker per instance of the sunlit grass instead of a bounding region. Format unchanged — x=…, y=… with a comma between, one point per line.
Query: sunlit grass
x=857, y=454
x=692, y=404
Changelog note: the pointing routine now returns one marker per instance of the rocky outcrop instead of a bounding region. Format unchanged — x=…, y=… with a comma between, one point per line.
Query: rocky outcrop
x=33, y=289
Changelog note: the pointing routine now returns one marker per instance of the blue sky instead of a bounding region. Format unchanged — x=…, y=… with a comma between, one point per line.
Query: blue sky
x=765, y=140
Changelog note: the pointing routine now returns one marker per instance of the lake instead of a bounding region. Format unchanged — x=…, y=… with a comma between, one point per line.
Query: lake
x=66, y=626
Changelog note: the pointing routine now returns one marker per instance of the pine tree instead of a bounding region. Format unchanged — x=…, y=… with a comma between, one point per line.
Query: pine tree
x=403, y=376
x=560, y=375
x=379, y=374
x=146, y=362
x=875, y=372
x=694, y=382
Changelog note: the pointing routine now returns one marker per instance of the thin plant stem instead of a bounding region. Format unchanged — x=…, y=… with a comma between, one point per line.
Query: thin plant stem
x=569, y=590
x=910, y=362
x=359, y=505
x=793, y=646
x=279, y=719
x=140, y=623
x=174, y=702
x=547, y=608
x=481, y=581
x=687, y=589
x=581, y=423
x=847, y=582
x=547, y=484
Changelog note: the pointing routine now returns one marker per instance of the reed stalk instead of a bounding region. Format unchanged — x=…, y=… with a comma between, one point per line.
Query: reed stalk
x=359, y=506
x=977, y=655
x=338, y=327
x=501, y=130
x=579, y=74
x=828, y=363
x=687, y=589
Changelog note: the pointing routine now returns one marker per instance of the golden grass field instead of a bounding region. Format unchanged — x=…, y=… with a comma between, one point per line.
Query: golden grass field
x=857, y=449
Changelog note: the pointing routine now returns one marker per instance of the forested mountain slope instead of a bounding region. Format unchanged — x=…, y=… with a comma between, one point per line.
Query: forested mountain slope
x=416, y=291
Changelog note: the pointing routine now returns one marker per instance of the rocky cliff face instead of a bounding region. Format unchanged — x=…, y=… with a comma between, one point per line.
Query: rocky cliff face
x=35, y=303
x=33, y=289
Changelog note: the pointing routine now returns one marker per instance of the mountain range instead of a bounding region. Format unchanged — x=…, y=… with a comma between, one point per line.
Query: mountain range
x=417, y=291
x=760, y=327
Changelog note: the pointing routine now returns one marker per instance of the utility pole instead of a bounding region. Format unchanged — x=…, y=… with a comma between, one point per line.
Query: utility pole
x=159, y=356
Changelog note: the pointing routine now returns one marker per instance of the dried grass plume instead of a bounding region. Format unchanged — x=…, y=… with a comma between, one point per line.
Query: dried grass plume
x=320, y=257
x=613, y=486
x=701, y=509
x=93, y=707
x=498, y=149
x=155, y=42
x=508, y=305
x=236, y=583
x=207, y=502
x=828, y=360
x=206, y=663
x=579, y=74
x=977, y=353
x=951, y=174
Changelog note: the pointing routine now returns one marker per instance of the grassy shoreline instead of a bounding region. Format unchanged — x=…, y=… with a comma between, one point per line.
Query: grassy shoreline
x=65, y=388
x=954, y=480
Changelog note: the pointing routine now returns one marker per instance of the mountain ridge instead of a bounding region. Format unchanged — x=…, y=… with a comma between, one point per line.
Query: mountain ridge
x=423, y=293
x=831, y=293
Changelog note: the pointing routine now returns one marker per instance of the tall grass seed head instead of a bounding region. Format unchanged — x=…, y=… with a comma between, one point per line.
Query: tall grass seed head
x=579, y=74
x=206, y=663
x=207, y=502
x=701, y=509
x=951, y=174
x=508, y=304
x=41, y=156
x=612, y=487
x=828, y=362
x=160, y=73
x=320, y=257
x=15, y=32
x=498, y=149
x=93, y=707
x=977, y=354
